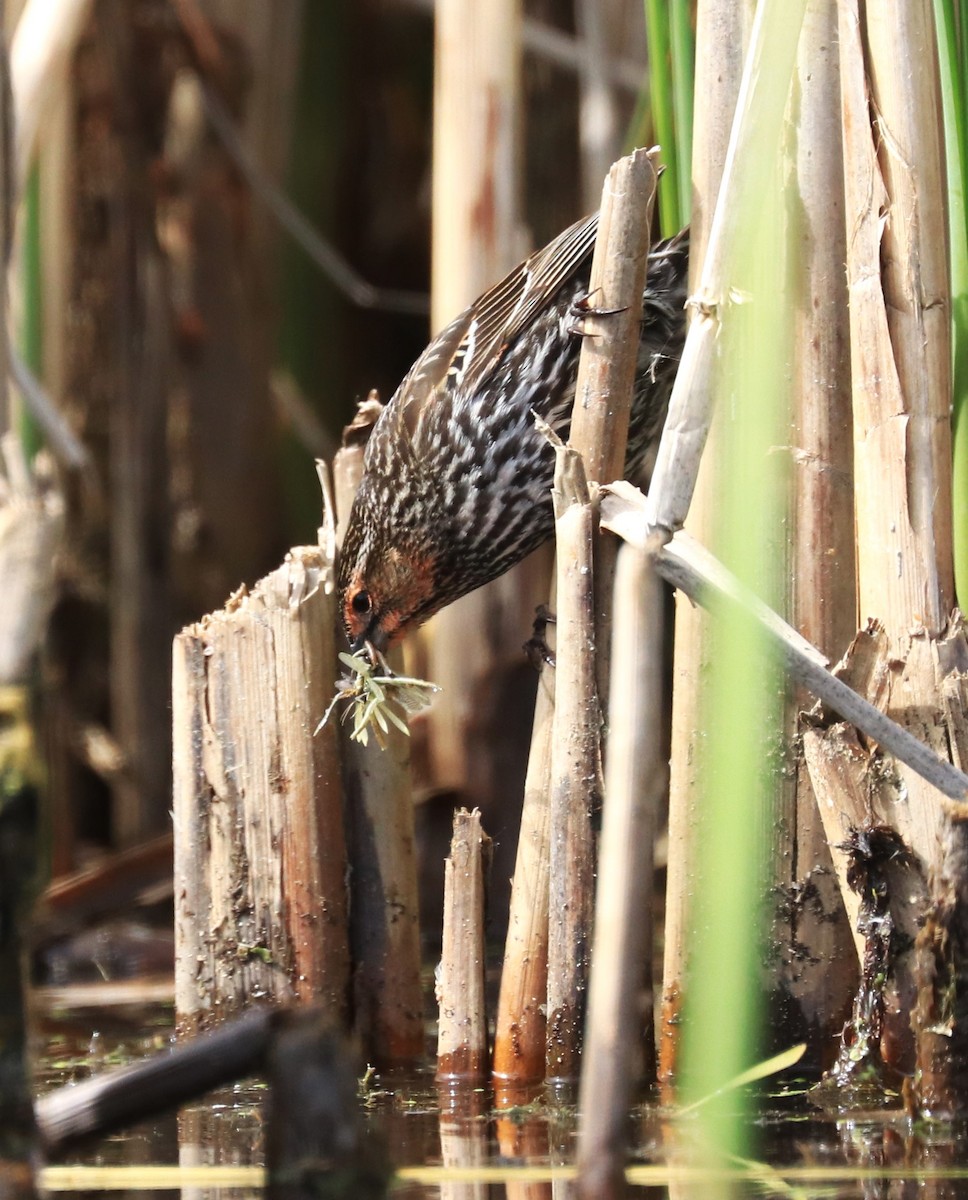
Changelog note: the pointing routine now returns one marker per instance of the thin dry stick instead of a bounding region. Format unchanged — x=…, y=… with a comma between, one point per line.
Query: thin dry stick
x=385, y=931
x=462, y=1025
x=609, y=353
x=519, y=1038
x=634, y=784
x=687, y=566
x=260, y=861
x=576, y=789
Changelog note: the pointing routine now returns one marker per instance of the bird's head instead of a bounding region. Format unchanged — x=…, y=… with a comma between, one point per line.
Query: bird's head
x=384, y=599
x=385, y=591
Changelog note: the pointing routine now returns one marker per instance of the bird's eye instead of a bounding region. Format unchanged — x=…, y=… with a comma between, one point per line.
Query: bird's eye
x=361, y=602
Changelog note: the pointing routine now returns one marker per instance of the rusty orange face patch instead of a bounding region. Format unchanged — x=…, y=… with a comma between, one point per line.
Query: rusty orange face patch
x=386, y=599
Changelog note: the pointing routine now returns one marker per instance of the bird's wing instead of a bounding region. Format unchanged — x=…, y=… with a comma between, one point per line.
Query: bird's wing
x=511, y=305
x=470, y=346
x=430, y=371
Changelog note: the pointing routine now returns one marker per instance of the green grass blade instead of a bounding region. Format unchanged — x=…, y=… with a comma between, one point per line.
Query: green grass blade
x=683, y=81
x=663, y=112
x=952, y=64
x=761, y=1070
x=742, y=709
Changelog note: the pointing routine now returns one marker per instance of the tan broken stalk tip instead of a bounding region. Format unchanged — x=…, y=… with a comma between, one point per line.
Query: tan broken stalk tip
x=385, y=933
x=260, y=860
x=462, y=1027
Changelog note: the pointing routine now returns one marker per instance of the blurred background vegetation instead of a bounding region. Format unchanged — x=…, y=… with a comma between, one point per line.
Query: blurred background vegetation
x=203, y=166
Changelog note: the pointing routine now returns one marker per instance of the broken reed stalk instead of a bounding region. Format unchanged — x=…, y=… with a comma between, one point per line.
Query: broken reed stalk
x=609, y=353
x=599, y=431
x=900, y=347
x=462, y=1023
x=576, y=786
x=635, y=779
x=900, y=358
x=119, y=1098
x=693, y=570
x=814, y=938
x=384, y=924
x=519, y=1032
x=519, y=1045
x=941, y=1014
x=260, y=860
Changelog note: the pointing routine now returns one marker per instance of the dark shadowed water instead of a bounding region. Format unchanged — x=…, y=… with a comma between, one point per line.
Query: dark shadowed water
x=459, y=1147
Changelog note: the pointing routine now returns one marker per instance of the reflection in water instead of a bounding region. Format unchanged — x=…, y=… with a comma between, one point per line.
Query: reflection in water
x=851, y=1157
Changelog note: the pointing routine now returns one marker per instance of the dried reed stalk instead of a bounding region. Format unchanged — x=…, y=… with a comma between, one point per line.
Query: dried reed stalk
x=477, y=237
x=598, y=435
x=900, y=314
x=384, y=929
x=519, y=1037
x=576, y=785
x=462, y=1024
x=40, y=52
x=634, y=786
x=260, y=861
x=900, y=347
x=814, y=941
x=609, y=353
x=900, y=357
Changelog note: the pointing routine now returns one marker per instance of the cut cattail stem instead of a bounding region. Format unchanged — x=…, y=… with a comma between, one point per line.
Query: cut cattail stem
x=519, y=1039
x=634, y=785
x=609, y=353
x=462, y=1025
x=598, y=434
x=260, y=860
x=576, y=786
x=384, y=930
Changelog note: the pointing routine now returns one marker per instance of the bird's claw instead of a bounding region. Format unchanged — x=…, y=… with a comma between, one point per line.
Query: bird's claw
x=536, y=647
x=582, y=308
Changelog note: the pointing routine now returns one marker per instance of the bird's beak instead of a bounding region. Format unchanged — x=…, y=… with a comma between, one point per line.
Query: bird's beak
x=362, y=644
x=372, y=642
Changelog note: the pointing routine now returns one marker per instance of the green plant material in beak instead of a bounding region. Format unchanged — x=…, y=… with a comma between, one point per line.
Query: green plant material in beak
x=371, y=695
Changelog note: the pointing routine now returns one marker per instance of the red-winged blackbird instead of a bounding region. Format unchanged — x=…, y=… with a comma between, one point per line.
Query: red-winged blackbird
x=457, y=481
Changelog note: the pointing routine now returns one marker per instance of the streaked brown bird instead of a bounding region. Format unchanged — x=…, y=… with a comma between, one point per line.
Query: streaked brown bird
x=457, y=482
